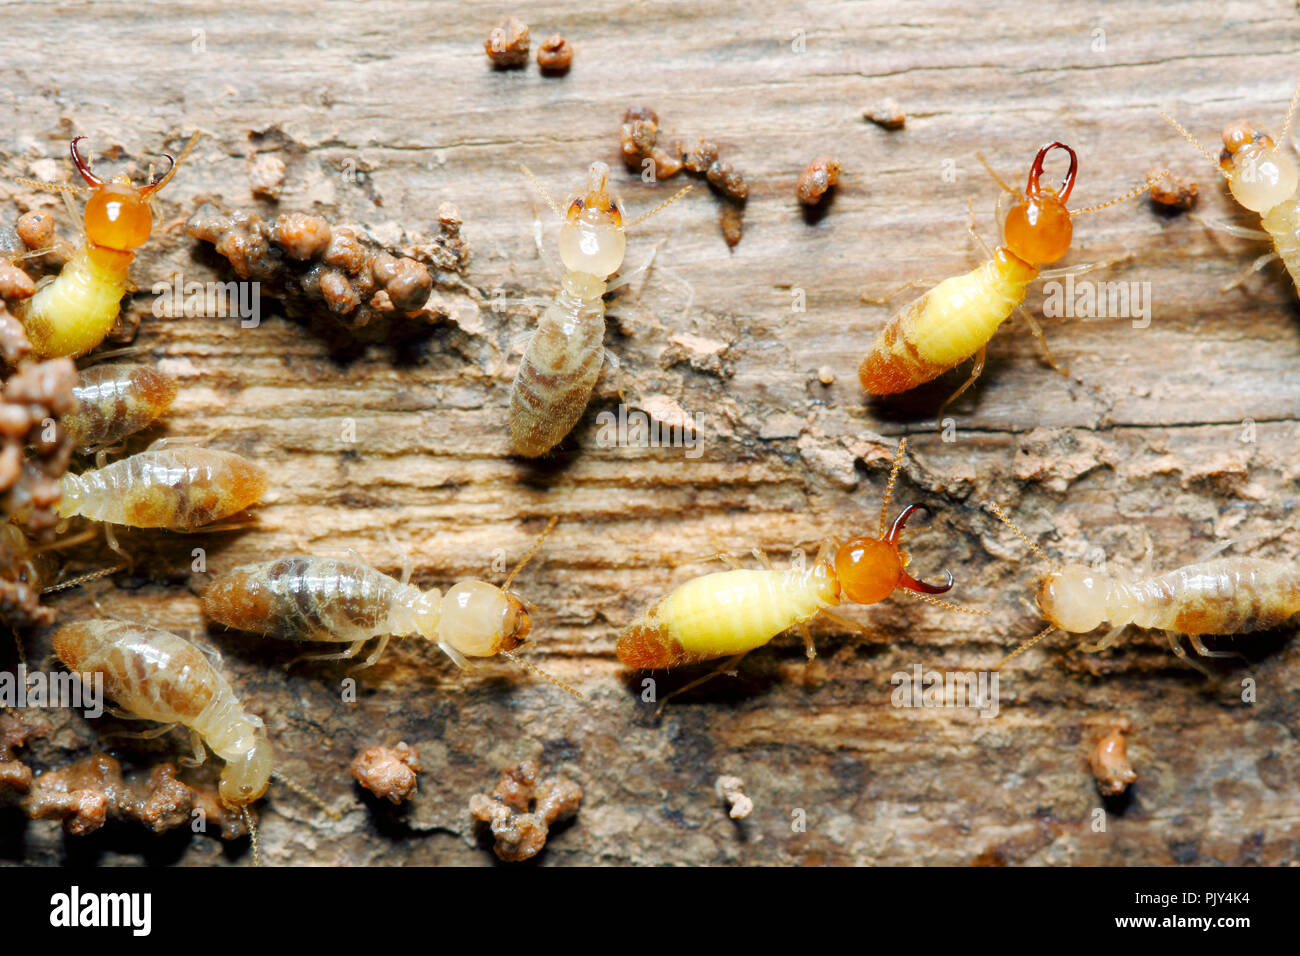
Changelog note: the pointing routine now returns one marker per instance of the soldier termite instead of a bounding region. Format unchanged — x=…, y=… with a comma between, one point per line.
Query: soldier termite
x=155, y=675
x=956, y=319
x=730, y=613
x=115, y=401
x=308, y=598
x=1234, y=595
x=72, y=313
x=1263, y=177
x=563, y=357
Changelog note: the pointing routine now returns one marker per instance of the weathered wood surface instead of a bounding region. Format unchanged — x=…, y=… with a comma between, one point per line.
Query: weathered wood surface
x=1146, y=434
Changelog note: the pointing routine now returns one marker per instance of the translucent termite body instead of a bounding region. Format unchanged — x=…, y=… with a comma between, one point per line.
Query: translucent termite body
x=158, y=676
x=114, y=401
x=730, y=613
x=1235, y=595
x=1262, y=176
x=309, y=598
x=180, y=489
x=71, y=313
x=956, y=319
x=564, y=356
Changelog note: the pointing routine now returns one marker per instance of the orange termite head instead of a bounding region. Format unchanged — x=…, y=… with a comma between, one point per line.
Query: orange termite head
x=1259, y=174
x=592, y=238
x=870, y=569
x=481, y=620
x=1037, y=228
x=117, y=214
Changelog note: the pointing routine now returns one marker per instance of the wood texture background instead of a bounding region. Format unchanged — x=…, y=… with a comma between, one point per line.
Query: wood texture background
x=1145, y=437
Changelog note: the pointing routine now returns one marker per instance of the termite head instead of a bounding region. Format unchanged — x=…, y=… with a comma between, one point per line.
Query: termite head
x=245, y=779
x=592, y=238
x=481, y=620
x=1259, y=174
x=117, y=214
x=1074, y=598
x=1037, y=228
x=871, y=569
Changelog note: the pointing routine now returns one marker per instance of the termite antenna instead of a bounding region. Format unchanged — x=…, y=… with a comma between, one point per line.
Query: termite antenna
x=1026, y=646
x=307, y=795
x=542, y=190
x=889, y=488
x=65, y=188
x=1034, y=548
x=252, y=834
x=1196, y=143
x=158, y=184
x=550, y=526
x=1290, y=115
x=532, y=668
x=993, y=172
x=946, y=605
x=1135, y=191
x=662, y=206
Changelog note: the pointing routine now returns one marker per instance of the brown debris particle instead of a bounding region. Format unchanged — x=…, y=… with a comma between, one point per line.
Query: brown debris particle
x=725, y=178
x=36, y=229
x=1170, y=190
x=519, y=832
x=266, y=176
x=14, y=283
x=820, y=176
x=388, y=771
x=507, y=45
x=638, y=135
x=731, y=791
x=301, y=236
x=1109, y=760
x=826, y=375
x=555, y=54
x=887, y=114
x=698, y=156
x=732, y=220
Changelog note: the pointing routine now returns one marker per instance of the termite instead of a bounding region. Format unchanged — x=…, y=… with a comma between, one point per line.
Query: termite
x=178, y=489
x=956, y=319
x=115, y=401
x=309, y=598
x=1235, y=595
x=71, y=313
x=564, y=356
x=730, y=613
x=1263, y=177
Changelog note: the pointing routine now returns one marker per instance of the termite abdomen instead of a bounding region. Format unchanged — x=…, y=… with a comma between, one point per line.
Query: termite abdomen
x=114, y=401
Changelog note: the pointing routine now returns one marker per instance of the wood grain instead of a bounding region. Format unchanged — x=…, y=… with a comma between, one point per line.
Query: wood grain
x=1144, y=438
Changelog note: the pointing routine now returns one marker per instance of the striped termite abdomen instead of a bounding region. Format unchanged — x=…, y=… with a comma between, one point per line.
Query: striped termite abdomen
x=560, y=366
x=945, y=325
x=158, y=676
x=114, y=401
x=306, y=598
x=180, y=489
x=725, y=613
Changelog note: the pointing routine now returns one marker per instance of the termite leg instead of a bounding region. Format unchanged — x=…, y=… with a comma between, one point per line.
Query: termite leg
x=352, y=650
x=150, y=734
x=1109, y=639
x=1249, y=271
x=1042, y=340
x=374, y=655
x=456, y=656
x=1198, y=645
x=111, y=538
x=1240, y=232
x=728, y=665
x=914, y=284
x=623, y=280
x=200, y=751
x=761, y=556
x=970, y=228
x=810, y=649
x=845, y=622
x=1182, y=655
x=975, y=372
x=553, y=266
x=408, y=567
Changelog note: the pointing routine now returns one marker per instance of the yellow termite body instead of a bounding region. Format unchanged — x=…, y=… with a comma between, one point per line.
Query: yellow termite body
x=158, y=676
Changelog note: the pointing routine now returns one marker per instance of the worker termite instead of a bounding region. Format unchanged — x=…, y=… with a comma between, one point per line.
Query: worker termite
x=1234, y=595
x=563, y=357
x=72, y=313
x=178, y=489
x=308, y=598
x=115, y=401
x=155, y=675
x=1263, y=177
x=956, y=319
x=730, y=613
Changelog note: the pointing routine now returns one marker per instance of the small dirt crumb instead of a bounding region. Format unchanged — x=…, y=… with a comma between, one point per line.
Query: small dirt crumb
x=821, y=175
x=698, y=156
x=887, y=114
x=731, y=791
x=732, y=220
x=1170, y=190
x=388, y=771
x=1109, y=760
x=36, y=229
x=826, y=375
x=555, y=54
x=638, y=135
x=519, y=832
x=302, y=236
x=727, y=180
x=507, y=45
x=14, y=283
x=266, y=176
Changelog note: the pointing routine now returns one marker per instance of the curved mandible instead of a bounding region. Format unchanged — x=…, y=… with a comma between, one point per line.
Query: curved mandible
x=80, y=163
x=1036, y=171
